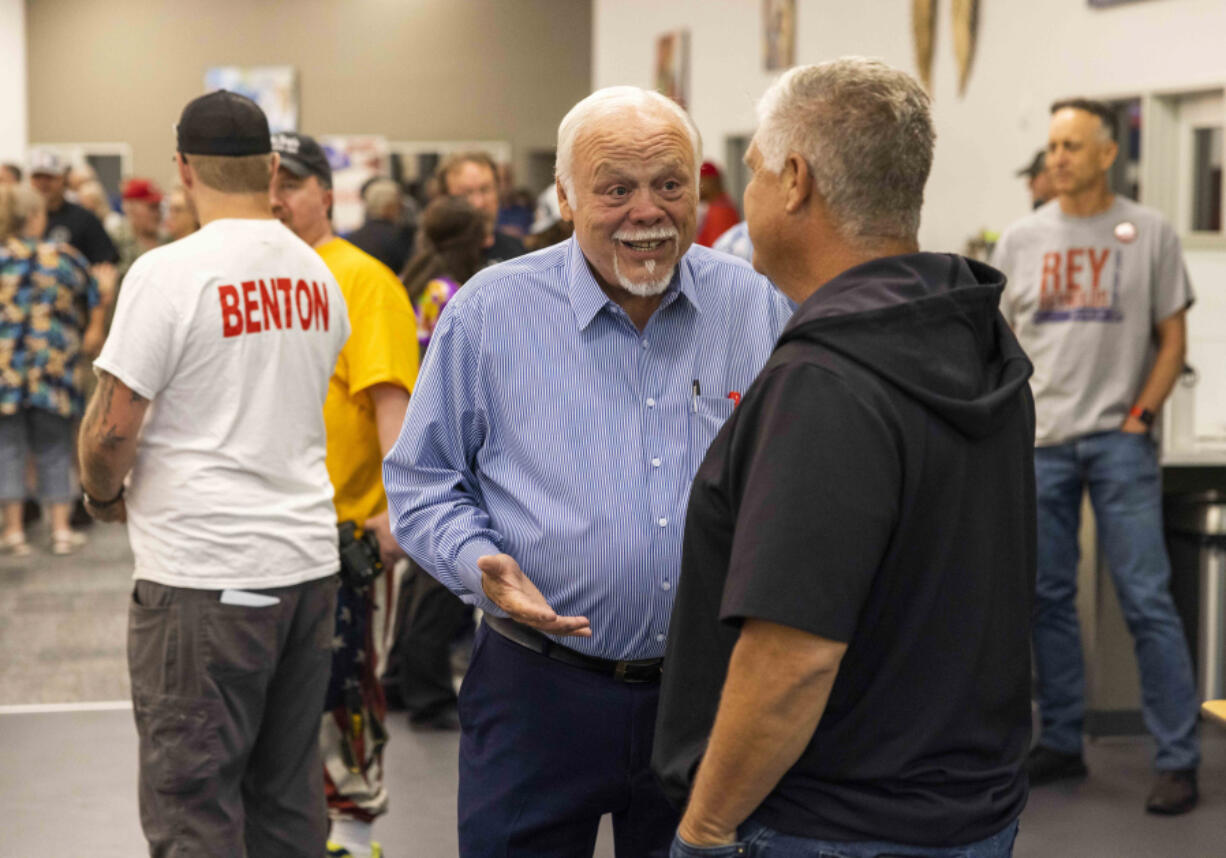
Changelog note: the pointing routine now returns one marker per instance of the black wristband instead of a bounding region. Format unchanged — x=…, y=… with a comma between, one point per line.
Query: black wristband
x=92, y=501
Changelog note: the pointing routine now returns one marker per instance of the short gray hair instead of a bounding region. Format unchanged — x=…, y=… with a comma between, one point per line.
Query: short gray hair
x=379, y=194
x=865, y=130
x=617, y=101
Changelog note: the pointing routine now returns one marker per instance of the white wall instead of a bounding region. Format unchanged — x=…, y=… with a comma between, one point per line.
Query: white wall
x=14, y=121
x=1030, y=52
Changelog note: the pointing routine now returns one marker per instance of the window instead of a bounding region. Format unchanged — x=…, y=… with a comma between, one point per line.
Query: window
x=1206, y=178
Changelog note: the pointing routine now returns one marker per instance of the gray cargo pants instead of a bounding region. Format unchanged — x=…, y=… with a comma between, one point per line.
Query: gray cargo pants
x=227, y=701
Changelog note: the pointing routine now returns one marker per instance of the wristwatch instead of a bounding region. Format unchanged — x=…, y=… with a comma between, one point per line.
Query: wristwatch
x=92, y=501
x=1143, y=414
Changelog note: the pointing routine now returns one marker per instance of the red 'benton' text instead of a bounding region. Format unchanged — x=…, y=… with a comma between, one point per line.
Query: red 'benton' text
x=275, y=304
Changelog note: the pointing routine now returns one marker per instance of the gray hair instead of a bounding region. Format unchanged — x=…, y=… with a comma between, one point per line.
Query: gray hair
x=865, y=131
x=617, y=101
x=380, y=194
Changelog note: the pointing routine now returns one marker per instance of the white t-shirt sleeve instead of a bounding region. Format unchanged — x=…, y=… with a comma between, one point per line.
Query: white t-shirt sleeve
x=143, y=346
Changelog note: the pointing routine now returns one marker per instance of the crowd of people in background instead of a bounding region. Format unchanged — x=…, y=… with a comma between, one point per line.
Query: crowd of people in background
x=60, y=224
x=925, y=359
x=99, y=233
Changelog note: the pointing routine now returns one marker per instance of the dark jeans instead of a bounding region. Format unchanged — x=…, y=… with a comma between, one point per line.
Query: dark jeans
x=546, y=750
x=226, y=700
x=758, y=841
x=429, y=618
x=1122, y=473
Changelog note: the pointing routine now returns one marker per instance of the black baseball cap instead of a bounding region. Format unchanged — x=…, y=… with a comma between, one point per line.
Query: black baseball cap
x=1035, y=166
x=223, y=123
x=302, y=155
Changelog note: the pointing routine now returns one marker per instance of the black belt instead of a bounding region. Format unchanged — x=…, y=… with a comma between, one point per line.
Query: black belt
x=638, y=672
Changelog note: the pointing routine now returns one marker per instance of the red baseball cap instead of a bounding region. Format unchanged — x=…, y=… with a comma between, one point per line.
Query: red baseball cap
x=143, y=190
x=708, y=169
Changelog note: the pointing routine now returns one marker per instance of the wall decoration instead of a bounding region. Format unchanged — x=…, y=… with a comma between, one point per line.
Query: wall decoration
x=778, y=34
x=273, y=88
x=673, y=66
x=964, y=18
x=966, y=27
x=924, y=30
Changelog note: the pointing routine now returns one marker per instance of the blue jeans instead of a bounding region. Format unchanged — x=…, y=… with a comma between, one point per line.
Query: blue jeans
x=758, y=841
x=50, y=439
x=1121, y=470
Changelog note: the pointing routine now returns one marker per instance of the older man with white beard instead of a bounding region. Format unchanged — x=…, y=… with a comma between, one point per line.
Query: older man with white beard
x=543, y=471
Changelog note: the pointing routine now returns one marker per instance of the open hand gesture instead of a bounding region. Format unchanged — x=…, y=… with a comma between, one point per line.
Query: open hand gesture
x=509, y=588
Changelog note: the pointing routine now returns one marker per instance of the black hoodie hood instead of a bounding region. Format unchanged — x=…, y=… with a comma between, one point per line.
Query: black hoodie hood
x=930, y=324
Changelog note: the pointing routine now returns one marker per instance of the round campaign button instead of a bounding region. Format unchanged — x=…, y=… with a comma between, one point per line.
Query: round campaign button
x=1126, y=231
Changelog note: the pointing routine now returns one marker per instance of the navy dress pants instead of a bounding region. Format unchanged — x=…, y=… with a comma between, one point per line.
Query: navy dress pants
x=546, y=750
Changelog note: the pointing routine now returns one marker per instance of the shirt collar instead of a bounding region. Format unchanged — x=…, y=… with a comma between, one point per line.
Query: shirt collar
x=587, y=298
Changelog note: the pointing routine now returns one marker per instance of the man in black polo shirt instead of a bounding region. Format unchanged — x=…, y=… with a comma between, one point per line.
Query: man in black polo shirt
x=69, y=222
x=848, y=664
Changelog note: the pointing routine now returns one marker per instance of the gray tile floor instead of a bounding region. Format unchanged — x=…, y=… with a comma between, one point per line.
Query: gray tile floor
x=68, y=778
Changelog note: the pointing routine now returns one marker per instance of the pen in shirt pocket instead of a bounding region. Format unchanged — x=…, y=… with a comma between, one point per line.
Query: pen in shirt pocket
x=696, y=389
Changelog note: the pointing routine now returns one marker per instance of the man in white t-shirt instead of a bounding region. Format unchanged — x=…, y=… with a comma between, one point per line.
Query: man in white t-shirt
x=211, y=390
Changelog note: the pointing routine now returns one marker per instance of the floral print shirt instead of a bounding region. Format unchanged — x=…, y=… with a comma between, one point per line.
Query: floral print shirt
x=46, y=293
x=430, y=306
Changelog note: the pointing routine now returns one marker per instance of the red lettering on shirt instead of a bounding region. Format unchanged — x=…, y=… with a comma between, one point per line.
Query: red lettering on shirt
x=1050, y=284
x=302, y=298
x=319, y=302
x=1097, y=264
x=268, y=305
x=1063, y=283
x=284, y=286
x=231, y=317
x=1072, y=268
x=249, y=307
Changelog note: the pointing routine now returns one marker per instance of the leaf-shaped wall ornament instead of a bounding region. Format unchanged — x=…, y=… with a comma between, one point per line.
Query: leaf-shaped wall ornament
x=966, y=26
x=924, y=29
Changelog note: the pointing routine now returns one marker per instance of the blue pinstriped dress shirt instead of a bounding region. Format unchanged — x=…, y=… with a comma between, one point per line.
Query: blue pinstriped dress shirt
x=545, y=425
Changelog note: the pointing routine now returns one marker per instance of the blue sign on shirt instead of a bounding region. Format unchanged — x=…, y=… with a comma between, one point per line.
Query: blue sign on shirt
x=545, y=425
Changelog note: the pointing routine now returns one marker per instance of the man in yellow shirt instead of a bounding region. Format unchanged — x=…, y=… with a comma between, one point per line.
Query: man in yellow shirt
x=367, y=398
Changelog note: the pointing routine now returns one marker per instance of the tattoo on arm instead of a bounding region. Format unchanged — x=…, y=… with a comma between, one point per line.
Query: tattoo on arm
x=110, y=439
x=108, y=435
x=100, y=405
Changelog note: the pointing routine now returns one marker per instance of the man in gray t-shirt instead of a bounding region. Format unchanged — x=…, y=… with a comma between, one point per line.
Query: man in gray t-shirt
x=1097, y=294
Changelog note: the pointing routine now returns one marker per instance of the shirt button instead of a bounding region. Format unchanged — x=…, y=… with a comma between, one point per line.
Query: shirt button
x=655, y=463
x=646, y=344
x=651, y=403
x=659, y=637
x=663, y=522
x=666, y=586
